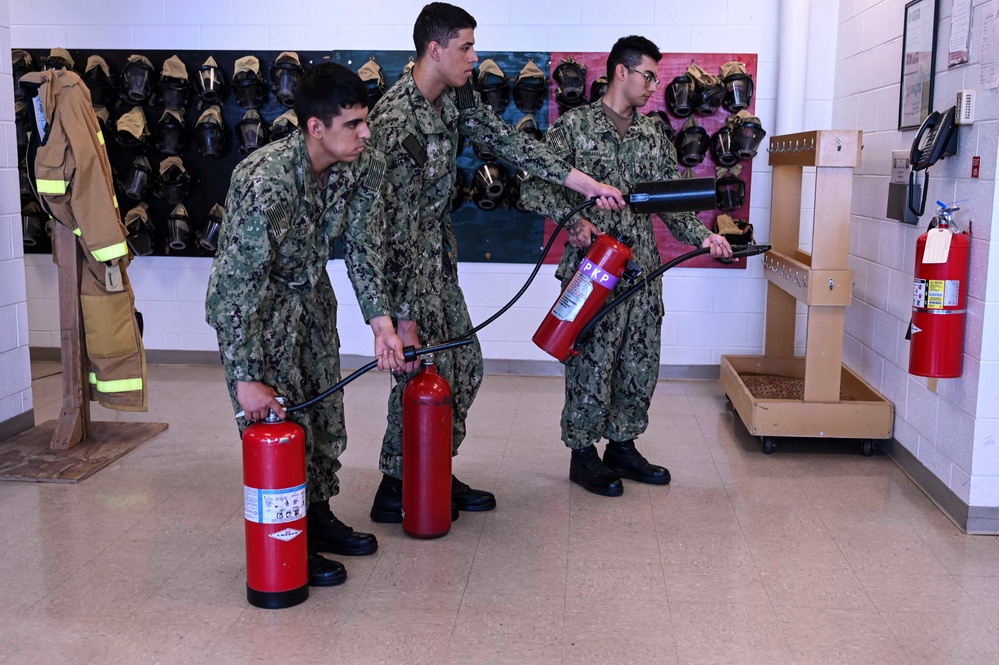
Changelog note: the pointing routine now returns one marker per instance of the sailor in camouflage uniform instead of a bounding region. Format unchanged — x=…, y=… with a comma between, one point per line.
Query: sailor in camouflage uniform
x=609, y=386
x=270, y=299
x=416, y=125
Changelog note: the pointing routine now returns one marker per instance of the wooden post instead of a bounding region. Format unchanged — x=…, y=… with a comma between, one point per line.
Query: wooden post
x=73, y=425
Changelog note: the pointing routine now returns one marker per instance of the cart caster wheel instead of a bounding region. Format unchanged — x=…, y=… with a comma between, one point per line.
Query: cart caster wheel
x=867, y=447
x=768, y=445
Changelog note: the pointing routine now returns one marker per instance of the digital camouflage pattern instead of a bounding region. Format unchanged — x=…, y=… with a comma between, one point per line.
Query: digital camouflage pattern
x=609, y=386
x=420, y=147
x=270, y=299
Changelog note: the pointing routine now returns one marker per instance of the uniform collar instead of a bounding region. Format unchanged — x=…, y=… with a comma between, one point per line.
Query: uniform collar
x=429, y=120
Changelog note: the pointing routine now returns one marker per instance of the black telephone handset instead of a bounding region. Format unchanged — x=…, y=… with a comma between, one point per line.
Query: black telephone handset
x=936, y=139
x=938, y=130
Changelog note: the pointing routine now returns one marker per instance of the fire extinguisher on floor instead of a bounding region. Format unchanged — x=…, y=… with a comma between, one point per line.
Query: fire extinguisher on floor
x=940, y=298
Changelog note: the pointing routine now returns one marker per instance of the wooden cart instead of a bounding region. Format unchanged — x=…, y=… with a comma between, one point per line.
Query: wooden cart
x=821, y=397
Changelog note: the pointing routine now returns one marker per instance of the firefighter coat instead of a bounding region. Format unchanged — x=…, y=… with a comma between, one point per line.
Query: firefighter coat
x=72, y=176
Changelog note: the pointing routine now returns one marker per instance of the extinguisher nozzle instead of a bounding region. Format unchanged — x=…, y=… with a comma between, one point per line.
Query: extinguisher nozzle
x=411, y=353
x=749, y=250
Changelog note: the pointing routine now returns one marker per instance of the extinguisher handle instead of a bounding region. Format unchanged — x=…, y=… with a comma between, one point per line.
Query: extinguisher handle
x=411, y=353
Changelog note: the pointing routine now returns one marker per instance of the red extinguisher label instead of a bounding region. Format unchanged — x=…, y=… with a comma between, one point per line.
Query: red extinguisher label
x=274, y=506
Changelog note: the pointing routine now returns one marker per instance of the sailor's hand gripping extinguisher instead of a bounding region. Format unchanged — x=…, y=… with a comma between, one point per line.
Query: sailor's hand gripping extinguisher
x=940, y=298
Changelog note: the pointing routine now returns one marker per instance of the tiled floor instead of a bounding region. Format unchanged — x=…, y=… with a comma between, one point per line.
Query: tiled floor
x=810, y=555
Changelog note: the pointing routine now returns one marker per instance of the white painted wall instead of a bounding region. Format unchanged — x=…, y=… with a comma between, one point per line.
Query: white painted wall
x=709, y=312
x=15, y=371
x=954, y=431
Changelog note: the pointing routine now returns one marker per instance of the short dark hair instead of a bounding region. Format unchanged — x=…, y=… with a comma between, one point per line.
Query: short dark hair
x=439, y=22
x=628, y=51
x=325, y=90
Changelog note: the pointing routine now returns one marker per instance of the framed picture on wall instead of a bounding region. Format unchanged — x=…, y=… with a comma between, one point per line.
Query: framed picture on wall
x=919, y=51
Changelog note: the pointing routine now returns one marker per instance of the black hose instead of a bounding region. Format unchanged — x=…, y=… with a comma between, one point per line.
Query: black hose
x=737, y=251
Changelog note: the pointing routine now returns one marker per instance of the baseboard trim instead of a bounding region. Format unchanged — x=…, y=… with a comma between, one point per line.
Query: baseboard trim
x=17, y=424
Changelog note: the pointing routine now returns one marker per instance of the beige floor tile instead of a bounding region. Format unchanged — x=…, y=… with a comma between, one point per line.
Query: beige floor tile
x=524, y=575
x=732, y=586
x=985, y=592
x=633, y=580
x=614, y=617
x=431, y=571
x=705, y=550
x=796, y=583
x=916, y=593
x=498, y=616
x=886, y=548
x=834, y=637
x=619, y=649
x=381, y=647
x=933, y=638
x=387, y=609
x=41, y=639
x=512, y=650
x=724, y=628
x=618, y=544
x=517, y=538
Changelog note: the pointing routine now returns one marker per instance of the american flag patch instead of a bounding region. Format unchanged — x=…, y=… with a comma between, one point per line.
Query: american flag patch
x=415, y=149
x=277, y=215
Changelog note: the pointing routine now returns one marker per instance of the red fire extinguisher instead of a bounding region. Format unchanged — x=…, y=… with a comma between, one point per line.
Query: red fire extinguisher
x=426, y=454
x=583, y=296
x=940, y=299
x=277, y=572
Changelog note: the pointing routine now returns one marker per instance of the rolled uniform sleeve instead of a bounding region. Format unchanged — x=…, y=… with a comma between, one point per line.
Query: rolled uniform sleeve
x=237, y=287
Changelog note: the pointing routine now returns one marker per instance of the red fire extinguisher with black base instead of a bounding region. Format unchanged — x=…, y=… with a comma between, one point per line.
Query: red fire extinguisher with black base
x=277, y=573
x=940, y=298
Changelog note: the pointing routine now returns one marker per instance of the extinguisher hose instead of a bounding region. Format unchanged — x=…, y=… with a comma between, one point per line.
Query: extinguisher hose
x=737, y=251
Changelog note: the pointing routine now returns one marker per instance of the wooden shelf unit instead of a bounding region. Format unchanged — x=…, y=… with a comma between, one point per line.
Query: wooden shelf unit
x=837, y=403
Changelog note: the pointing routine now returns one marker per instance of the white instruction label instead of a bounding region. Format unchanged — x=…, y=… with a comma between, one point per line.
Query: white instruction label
x=937, y=245
x=919, y=292
x=286, y=534
x=952, y=292
x=571, y=301
x=274, y=506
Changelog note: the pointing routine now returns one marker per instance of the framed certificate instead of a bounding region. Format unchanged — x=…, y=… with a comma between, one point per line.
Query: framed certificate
x=919, y=51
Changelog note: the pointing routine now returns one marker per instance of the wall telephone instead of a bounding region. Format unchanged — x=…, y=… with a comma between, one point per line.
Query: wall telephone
x=935, y=140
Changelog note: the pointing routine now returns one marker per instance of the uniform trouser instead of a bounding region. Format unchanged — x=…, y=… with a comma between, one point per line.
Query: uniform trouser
x=117, y=360
x=609, y=385
x=461, y=367
x=311, y=368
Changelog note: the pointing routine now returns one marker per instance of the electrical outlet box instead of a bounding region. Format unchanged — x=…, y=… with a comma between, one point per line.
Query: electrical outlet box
x=965, y=107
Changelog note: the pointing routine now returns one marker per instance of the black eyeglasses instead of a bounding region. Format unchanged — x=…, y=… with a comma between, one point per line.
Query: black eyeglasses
x=650, y=77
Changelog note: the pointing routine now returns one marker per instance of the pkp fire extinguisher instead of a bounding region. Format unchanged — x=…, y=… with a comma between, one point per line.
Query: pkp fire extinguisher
x=940, y=298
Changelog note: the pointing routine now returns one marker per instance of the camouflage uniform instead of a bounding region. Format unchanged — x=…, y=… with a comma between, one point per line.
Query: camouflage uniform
x=609, y=386
x=269, y=297
x=420, y=147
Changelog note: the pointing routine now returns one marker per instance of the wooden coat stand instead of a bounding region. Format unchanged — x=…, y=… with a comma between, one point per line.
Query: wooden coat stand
x=73, y=446
x=836, y=402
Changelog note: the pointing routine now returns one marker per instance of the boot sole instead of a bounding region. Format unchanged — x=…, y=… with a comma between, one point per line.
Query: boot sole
x=630, y=475
x=602, y=492
x=329, y=581
x=480, y=508
x=326, y=546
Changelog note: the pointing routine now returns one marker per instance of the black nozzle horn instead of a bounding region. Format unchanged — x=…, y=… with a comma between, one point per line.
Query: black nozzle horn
x=680, y=195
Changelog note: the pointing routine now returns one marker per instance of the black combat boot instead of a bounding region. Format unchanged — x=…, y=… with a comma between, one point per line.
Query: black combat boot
x=328, y=534
x=387, y=507
x=469, y=499
x=588, y=471
x=325, y=572
x=624, y=459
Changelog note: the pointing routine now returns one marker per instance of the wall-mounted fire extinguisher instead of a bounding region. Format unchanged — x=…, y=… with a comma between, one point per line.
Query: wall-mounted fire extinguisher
x=583, y=296
x=940, y=298
x=426, y=453
x=277, y=571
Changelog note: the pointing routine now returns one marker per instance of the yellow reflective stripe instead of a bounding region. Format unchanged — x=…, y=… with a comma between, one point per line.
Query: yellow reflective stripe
x=51, y=186
x=93, y=378
x=115, y=199
x=112, y=252
x=78, y=231
x=119, y=385
x=100, y=137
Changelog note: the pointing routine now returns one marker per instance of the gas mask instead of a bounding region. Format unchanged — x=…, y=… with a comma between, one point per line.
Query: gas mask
x=488, y=185
x=209, y=133
x=518, y=181
x=730, y=190
x=527, y=125
x=457, y=190
x=131, y=129
x=252, y=132
x=140, y=230
x=22, y=63
x=570, y=77
x=492, y=85
x=284, y=125
x=21, y=123
x=598, y=89
x=170, y=137
x=99, y=80
x=174, y=180
x=721, y=147
x=139, y=179
x=738, y=86
x=691, y=143
x=678, y=96
x=286, y=72
x=530, y=88
x=24, y=182
x=58, y=58
x=374, y=80
x=137, y=80
x=662, y=118
x=33, y=221
x=179, y=228
x=483, y=152
x=174, y=86
x=210, y=82
x=708, y=90
x=747, y=134
x=208, y=236
x=250, y=89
